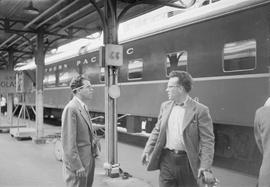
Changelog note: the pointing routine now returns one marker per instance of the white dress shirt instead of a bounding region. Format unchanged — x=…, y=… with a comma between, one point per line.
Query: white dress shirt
x=3, y=101
x=174, y=132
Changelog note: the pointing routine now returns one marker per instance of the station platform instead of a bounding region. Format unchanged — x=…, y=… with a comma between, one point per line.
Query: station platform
x=26, y=164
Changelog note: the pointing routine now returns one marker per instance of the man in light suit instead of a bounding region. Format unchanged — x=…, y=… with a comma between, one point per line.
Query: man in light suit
x=262, y=137
x=182, y=143
x=77, y=136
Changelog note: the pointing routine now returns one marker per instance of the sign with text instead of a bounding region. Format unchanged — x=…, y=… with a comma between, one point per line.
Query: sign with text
x=24, y=83
x=20, y=82
x=7, y=82
x=113, y=55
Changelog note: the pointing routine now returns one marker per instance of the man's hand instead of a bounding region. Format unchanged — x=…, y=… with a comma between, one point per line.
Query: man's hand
x=207, y=176
x=80, y=172
x=145, y=158
x=96, y=147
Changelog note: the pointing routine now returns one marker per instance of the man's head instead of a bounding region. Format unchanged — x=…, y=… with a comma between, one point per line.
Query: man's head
x=81, y=87
x=179, y=85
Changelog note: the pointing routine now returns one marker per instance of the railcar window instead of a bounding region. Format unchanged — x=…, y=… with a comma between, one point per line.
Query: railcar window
x=49, y=77
x=176, y=61
x=239, y=56
x=135, y=69
x=66, y=73
x=102, y=75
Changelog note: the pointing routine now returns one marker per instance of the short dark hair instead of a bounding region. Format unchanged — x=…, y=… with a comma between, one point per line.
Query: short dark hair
x=184, y=79
x=77, y=82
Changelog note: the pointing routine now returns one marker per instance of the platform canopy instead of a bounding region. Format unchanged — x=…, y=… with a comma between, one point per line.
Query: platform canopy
x=61, y=21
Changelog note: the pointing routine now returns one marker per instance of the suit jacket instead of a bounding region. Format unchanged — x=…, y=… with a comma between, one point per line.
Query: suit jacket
x=262, y=136
x=76, y=134
x=198, y=136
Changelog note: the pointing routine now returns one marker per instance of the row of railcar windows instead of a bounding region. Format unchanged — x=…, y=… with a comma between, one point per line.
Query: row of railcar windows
x=237, y=56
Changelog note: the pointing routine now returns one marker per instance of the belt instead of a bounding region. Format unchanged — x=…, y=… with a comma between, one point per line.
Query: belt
x=177, y=152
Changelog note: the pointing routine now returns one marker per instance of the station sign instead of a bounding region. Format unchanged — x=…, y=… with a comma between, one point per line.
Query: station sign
x=114, y=91
x=20, y=82
x=113, y=55
x=7, y=82
x=24, y=82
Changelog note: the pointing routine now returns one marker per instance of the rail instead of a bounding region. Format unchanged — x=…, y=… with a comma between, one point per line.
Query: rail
x=10, y=127
x=98, y=117
x=123, y=116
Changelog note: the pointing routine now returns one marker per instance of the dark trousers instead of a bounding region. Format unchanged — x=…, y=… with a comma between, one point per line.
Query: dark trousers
x=175, y=171
x=3, y=109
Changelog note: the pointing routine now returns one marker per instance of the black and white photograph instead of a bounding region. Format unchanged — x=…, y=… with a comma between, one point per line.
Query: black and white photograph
x=134, y=93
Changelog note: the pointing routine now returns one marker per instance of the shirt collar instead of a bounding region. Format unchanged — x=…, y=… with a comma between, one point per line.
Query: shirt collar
x=183, y=103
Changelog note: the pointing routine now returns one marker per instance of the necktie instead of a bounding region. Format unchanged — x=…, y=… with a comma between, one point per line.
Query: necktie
x=179, y=104
x=92, y=137
x=86, y=110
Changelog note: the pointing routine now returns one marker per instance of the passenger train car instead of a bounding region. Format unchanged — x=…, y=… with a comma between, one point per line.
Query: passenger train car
x=225, y=46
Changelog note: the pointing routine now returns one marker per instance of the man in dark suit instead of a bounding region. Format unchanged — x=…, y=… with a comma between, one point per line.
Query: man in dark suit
x=182, y=143
x=262, y=137
x=77, y=136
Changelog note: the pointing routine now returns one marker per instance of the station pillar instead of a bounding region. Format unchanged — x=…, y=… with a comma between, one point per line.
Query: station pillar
x=10, y=96
x=10, y=66
x=111, y=164
x=39, y=60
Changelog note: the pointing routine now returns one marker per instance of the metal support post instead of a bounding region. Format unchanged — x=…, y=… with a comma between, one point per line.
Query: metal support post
x=10, y=66
x=269, y=81
x=39, y=60
x=10, y=96
x=10, y=107
x=110, y=37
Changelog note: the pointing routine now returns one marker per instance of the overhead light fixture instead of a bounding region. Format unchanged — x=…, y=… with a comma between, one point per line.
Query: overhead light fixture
x=30, y=9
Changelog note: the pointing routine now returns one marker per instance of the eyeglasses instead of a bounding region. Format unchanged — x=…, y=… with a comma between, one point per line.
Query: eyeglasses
x=90, y=87
x=172, y=86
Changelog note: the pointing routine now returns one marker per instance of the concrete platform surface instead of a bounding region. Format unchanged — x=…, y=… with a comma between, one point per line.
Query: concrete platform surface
x=25, y=164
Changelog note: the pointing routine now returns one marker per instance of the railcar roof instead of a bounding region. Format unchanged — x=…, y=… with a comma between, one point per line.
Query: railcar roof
x=61, y=21
x=187, y=17
x=191, y=16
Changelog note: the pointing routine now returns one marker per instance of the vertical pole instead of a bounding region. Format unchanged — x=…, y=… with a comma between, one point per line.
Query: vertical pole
x=10, y=108
x=10, y=59
x=39, y=60
x=268, y=82
x=10, y=96
x=110, y=37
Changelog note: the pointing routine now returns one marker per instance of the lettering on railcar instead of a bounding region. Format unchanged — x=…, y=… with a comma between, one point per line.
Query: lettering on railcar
x=93, y=59
x=130, y=51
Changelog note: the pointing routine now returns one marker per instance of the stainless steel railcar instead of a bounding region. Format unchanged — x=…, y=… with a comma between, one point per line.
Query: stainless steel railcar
x=226, y=48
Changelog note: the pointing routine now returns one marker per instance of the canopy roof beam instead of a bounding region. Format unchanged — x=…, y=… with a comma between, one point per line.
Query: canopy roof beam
x=16, y=51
